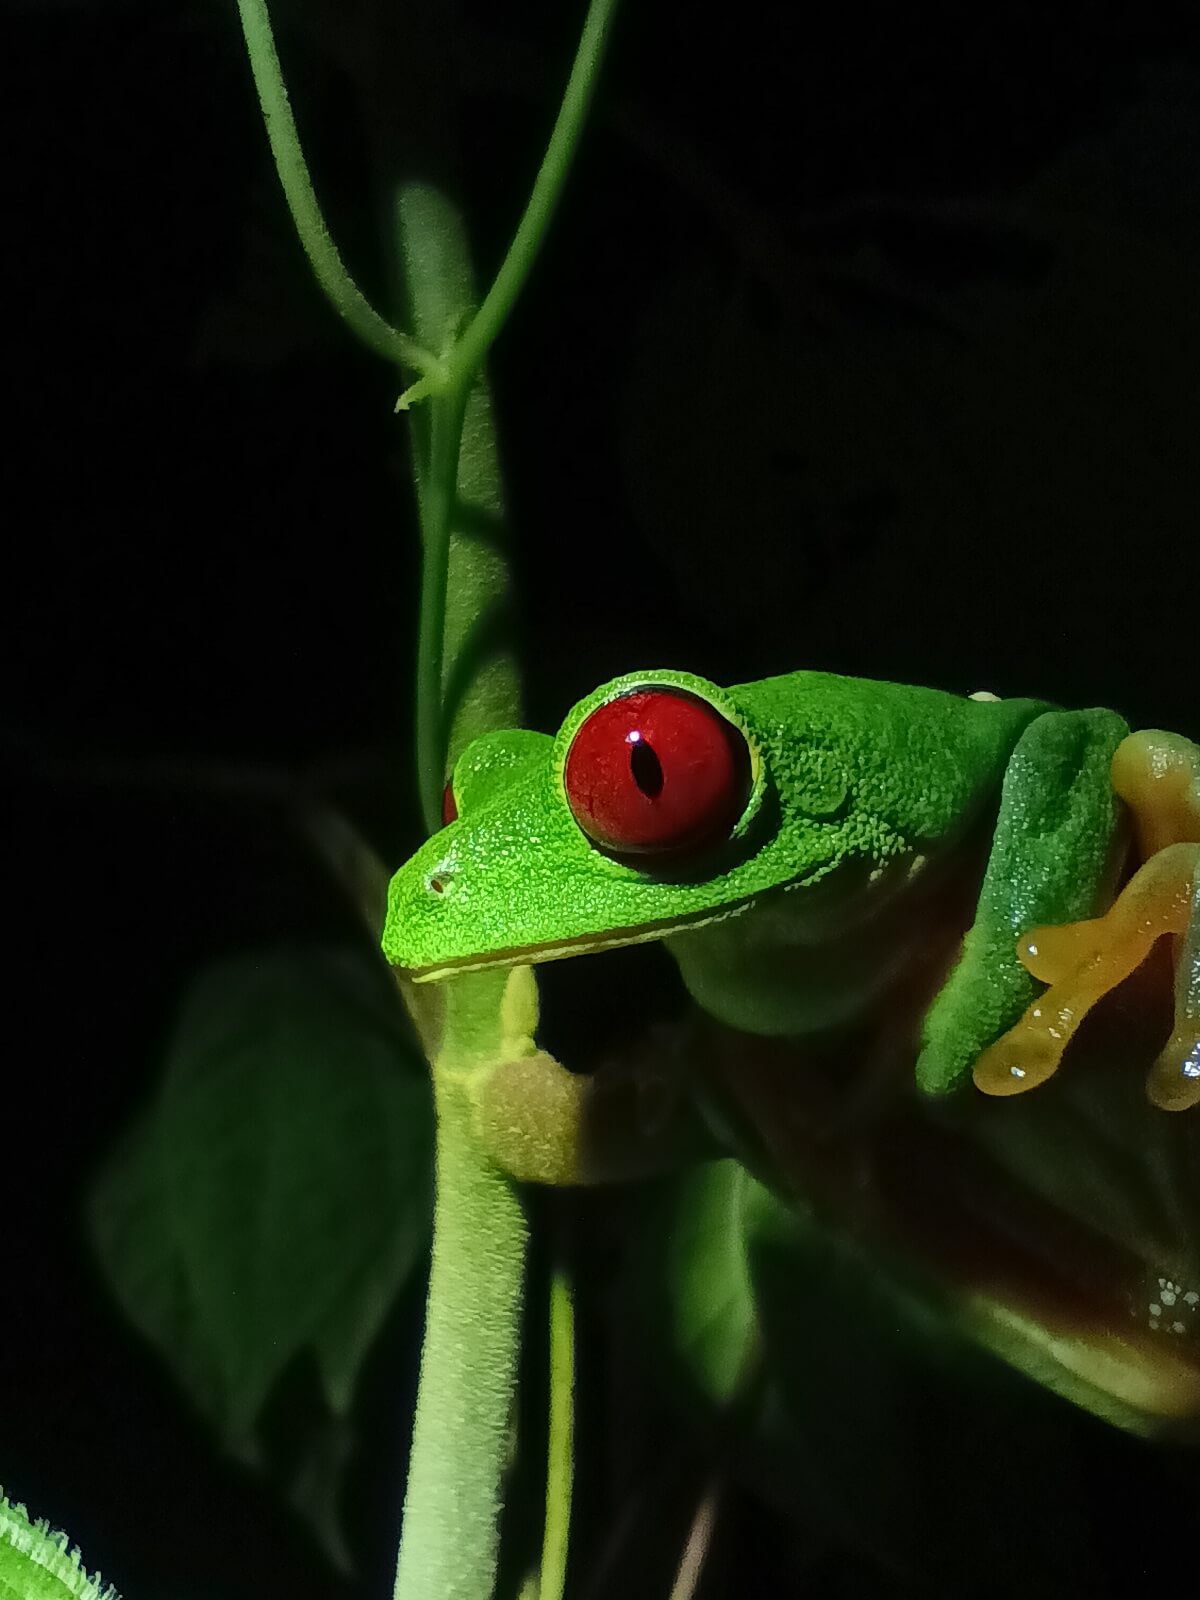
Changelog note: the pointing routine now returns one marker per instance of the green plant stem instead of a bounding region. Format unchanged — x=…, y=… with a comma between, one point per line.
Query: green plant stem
x=476, y=340
x=461, y=1437
x=346, y=297
x=561, y=1450
x=437, y=494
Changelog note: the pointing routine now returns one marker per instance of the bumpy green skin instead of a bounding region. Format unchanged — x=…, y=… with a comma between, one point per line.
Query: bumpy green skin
x=859, y=789
x=1054, y=855
x=36, y=1564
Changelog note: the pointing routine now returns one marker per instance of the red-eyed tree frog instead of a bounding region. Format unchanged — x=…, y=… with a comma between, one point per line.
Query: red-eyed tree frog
x=783, y=839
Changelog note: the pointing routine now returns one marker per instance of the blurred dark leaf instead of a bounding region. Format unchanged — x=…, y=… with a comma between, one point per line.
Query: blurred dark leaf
x=274, y=1199
x=708, y=1278
x=354, y=864
x=1095, y=1149
x=902, y=1436
x=874, y=1423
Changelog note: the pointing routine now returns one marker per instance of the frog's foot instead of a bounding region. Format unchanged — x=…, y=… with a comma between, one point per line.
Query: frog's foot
x=1083, y=961
x=1157, y=775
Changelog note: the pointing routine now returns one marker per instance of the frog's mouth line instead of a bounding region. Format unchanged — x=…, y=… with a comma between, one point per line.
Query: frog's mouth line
x=537, y=955
x=582, y=944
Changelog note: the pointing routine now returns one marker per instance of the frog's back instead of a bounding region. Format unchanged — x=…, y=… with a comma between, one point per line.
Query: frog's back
x=920, y=760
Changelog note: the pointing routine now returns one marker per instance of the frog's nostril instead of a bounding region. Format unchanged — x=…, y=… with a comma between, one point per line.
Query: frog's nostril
x=440, y=880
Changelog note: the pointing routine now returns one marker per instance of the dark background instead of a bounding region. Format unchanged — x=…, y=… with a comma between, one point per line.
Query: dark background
x=864, y=341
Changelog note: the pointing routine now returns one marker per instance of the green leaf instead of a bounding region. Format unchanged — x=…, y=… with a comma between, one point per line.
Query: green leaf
x=714, y=1318
x=275, y=1197
x=871, y=1422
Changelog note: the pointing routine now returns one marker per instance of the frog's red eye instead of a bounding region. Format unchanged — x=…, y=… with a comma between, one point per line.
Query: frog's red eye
x=656, y=772
x=449, y=808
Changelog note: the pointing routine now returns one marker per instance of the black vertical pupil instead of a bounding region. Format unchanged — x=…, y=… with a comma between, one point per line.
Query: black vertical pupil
x=646, y=769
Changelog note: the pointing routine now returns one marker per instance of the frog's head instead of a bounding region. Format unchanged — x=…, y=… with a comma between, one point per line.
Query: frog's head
x=655, y=809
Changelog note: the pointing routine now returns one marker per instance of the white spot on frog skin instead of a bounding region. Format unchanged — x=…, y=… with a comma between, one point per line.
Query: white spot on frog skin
x=916, y=866
x=1174, y=1294
x=986, y=696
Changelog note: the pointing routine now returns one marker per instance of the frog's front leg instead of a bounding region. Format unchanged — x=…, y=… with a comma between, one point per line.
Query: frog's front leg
x=628, y=1120
x=1157, y=775
x=1057, y=847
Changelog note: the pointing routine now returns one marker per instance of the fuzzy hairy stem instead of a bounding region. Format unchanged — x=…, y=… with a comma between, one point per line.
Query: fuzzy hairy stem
x=468, y=1368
